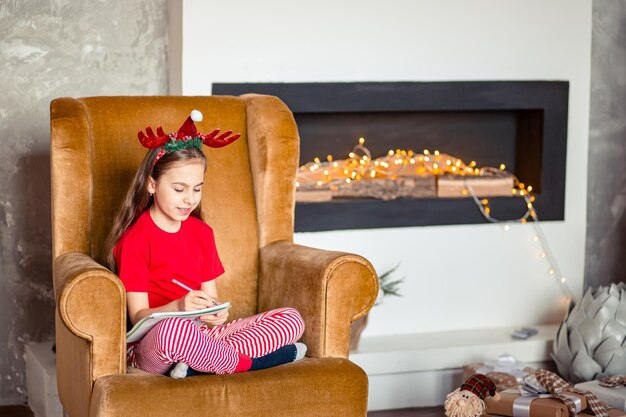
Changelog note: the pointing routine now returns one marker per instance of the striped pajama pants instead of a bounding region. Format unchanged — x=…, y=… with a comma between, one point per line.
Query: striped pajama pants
x=214, y=349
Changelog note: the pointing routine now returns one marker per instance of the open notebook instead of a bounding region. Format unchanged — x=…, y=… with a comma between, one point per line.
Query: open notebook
x=141, y=328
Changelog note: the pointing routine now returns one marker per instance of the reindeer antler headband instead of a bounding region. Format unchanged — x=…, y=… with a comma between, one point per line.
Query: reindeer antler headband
x=186, y=137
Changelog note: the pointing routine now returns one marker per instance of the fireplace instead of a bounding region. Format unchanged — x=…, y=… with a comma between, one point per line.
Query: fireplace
x=522, y=124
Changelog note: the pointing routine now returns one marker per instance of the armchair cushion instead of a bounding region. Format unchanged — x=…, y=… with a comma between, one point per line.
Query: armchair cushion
x=295, y=389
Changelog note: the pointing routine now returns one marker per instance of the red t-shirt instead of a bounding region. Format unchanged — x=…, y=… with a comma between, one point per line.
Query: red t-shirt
x=148, y=258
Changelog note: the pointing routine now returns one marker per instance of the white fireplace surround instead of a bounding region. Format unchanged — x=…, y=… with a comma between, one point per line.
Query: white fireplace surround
x=471, y=278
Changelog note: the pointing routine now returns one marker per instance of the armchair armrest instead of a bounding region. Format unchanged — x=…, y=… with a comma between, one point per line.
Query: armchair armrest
x=90, y=327
x=330, y=289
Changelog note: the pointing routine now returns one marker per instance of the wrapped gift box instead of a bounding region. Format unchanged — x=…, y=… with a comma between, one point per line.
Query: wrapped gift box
x=501, y=379
x=614, y=397
x=539, y=407
x=505, y=373
x=613, y=412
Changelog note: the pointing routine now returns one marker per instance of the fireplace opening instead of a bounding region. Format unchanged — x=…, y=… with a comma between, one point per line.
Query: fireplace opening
x=521, y=124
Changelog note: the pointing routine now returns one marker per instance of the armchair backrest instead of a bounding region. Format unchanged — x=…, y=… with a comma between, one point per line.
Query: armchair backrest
x=248, y=196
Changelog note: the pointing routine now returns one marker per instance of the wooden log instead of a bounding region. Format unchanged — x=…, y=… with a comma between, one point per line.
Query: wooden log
x=417, y=186
x=313, y=196
x=483, y=186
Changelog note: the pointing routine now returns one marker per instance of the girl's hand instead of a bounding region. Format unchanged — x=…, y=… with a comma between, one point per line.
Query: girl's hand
x=195, y=300
x=215, y=319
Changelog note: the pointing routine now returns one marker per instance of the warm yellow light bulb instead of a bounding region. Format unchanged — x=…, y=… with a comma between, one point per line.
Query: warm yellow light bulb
x=436, y=153
x=325, y=172
x=551, y=271
x=361, y=140
x=435, y=166
x=351, y=155
x=372, y=174
x=563, y=280
x=390, y=153
x=426, y=152
x=319, y=183
x=317, y=160
x=329, y=158
x=484, y=201
x=502, y=167
x=529, y=188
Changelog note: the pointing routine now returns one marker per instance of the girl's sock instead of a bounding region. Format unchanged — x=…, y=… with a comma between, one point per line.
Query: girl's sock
x=180, y=370
x=285, y=354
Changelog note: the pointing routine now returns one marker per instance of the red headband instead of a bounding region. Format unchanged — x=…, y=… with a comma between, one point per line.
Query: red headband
x=186, y=137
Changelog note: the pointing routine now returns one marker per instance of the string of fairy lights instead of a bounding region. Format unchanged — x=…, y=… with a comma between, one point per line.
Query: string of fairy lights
x=360, y=166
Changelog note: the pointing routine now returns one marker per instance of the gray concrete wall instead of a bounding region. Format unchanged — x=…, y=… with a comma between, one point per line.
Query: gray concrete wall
x=49, y=49
x=606, y=207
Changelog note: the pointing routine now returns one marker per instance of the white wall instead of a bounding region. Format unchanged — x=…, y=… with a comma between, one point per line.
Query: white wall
x=457, y=277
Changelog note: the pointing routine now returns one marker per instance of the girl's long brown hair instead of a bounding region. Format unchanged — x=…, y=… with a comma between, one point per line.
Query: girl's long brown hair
x=137, y=198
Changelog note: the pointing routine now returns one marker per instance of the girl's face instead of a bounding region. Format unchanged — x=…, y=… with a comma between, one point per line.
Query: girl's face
x=177, y=193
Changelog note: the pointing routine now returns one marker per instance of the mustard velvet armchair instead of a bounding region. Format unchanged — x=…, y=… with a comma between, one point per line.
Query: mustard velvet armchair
x=248, y=199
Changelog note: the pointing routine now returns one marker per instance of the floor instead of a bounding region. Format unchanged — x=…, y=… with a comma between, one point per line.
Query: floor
x=24, y=411
x=15, y=411
x=409, y=412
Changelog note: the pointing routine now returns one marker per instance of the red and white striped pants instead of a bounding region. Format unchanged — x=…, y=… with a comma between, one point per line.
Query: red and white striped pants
x=214, y=349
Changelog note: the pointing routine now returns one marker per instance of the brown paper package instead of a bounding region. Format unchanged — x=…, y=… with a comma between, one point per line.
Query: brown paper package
x=541, y=407
x=613, y=412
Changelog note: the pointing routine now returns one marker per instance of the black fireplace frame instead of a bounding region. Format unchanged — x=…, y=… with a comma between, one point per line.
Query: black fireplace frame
x=540, y=109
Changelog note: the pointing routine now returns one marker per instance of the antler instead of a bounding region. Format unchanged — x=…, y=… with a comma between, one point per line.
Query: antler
x=214, y=141
x=152, y=141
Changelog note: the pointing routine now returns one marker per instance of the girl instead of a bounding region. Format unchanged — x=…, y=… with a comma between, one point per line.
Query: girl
x=158, y=239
